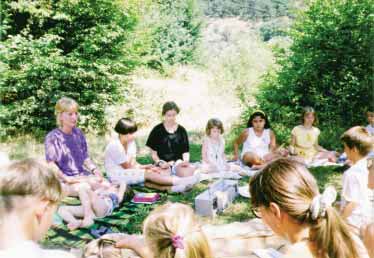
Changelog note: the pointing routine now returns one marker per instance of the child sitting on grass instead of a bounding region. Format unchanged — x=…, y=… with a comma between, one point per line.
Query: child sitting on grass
x=103, y=201
x=304, y=139
x=259, y=142
x=213, y=149
x=356, y=184
x=170, y=230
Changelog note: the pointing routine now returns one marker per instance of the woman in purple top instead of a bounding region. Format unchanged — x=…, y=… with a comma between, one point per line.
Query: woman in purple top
x=66, y=147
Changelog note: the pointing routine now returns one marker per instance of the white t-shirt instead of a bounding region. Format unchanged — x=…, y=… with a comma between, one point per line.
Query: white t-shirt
x=30, y=249
x=115, y=155
x=257, y=144
x=370, y=129
x=355, y=189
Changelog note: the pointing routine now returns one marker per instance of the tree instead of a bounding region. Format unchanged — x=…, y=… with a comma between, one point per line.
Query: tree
x=329, y=66
x=50, y=49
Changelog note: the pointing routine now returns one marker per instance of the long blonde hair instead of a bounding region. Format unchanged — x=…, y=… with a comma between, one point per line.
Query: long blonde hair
x=65, y=104
x=27, y=178
x=290, y=185
x=175, y=221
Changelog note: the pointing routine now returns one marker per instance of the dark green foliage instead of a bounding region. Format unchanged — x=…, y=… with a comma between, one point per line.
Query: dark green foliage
x=329, y=67
x=84, y=50
x=50, y=49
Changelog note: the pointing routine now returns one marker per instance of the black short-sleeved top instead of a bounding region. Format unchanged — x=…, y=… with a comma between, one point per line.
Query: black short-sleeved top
x=169, y=146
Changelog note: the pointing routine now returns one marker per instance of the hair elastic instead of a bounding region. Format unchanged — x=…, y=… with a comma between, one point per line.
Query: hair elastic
x=177, y=242
x=321, y=202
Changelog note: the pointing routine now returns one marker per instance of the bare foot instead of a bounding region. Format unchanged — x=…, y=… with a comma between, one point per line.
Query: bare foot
x=74, y=225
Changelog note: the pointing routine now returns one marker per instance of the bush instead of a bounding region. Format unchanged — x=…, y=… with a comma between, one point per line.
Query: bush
x=329, y=67
x=169, y=31
x=49, y=49
x=177, y=33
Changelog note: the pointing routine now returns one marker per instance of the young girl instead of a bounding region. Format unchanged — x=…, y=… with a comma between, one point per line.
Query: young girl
x=286, y=196
x=304, y=139
x=213, y=149
x=104, y=200
x=121, y=166
x=259, y=143
x=29, y=195
x=170, y=230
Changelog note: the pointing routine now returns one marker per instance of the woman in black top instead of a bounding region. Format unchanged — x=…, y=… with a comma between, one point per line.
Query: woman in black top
x=169, y=143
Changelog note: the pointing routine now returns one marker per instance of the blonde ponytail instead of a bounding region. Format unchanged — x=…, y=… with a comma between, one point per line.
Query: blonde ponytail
x=172, y=231
x=332, y=236
x=289, y=184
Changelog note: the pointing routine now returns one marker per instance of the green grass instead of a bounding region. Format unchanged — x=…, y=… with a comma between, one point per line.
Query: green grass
x=129, y=217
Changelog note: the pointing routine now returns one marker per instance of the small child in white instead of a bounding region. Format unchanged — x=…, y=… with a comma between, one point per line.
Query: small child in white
x=213, y=149
x=355, y=191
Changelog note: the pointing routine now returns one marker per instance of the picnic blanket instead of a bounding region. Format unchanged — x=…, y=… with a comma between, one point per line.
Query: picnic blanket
x=128, y=218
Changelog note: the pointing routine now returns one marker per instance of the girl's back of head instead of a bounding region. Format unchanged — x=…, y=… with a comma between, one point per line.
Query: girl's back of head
x=291, y=186
x=172, y=230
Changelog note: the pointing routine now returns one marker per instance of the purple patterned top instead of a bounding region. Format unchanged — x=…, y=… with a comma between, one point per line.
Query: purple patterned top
x=67, y=151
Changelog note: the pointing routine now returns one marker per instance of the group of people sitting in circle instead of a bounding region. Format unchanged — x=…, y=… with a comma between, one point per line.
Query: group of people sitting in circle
x=283, y=192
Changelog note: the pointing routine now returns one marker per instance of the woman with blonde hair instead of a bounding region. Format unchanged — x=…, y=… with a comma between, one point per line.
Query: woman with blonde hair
x=29, y=195
x=170, y=231
x=66, y=148
x=286, y=196
x=66, y=145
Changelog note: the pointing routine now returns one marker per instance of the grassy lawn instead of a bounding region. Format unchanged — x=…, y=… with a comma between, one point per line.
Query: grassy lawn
x=129, y=217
